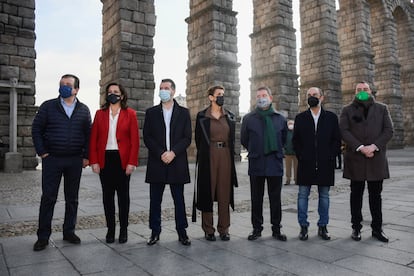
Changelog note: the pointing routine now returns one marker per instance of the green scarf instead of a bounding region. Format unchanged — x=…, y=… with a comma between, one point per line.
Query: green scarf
x=270, y=144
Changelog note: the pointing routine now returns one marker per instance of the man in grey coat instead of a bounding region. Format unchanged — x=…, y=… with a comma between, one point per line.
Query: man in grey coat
x=366, y=129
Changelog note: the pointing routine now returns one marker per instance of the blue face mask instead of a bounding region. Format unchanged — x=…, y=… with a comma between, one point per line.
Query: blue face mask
x=165, y=95
x=65, y=91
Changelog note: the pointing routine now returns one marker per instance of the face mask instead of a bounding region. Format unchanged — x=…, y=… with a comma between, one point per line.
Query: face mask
x=113, y=98
x=165, y=95
x=262, y=103
x=362, y=96
x=220, y=100
x=313, y=101
x=65, y=91
x=290, y=127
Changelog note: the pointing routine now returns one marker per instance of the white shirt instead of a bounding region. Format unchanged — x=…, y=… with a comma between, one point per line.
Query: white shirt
x=167, y=113
x=112, y=143
x=316, y=118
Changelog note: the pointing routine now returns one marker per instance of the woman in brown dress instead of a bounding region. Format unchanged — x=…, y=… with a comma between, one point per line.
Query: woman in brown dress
x=216, y=174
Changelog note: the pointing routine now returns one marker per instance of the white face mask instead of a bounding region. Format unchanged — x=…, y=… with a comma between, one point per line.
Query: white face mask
x=290, y=127
x=262, y=103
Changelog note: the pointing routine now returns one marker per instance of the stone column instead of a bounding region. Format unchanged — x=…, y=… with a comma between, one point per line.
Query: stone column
x=357, y=59
x=274, y=54
x=17, y=61
x=319, y=55
x=128, y=53
x=212, y=55
x=405, y=38
x=387, y=68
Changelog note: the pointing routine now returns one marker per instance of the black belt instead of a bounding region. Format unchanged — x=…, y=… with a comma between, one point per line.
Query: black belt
x=219, y=145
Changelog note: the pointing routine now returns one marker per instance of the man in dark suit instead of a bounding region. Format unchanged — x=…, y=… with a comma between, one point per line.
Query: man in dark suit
x=167, y=135
x=316, y=141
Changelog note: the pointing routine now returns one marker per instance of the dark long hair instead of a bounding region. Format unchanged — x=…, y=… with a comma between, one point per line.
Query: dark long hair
x=124, y=100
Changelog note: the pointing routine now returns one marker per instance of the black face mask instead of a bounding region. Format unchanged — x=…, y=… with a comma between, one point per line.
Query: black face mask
x=113, y=98
x=220, y=100
x=313, y=101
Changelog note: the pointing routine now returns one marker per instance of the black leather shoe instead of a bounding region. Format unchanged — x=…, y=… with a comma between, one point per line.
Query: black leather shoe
x=254, y=235
x=303, y=235
x=356, y=235
x=72, y=238
x=153, y=239
x=380, y=235
x=123, y=235
x=184, y=239
x=110, y=236
x=279, y=235
x=225, y=237
x=40, y=244
x=323, y=233
x=210, y=237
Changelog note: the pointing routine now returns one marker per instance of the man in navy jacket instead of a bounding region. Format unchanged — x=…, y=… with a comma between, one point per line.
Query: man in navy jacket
x=263, y=134
x=60, y=133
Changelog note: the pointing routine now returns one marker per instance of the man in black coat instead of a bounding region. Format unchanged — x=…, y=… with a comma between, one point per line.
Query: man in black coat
x=60, y=133
x=316, y=141
x=167, y=135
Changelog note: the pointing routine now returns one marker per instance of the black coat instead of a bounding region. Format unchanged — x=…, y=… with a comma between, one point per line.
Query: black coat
x=202, y=138
x=177, y=171
x=316, y=152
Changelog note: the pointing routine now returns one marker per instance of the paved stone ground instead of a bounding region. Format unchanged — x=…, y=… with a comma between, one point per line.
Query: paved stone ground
x=19, y=204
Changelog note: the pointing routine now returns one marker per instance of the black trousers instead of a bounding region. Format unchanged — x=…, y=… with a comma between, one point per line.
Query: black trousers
x=274, y=187
x=53, y=168
x=114, y=179
x=375, y=203
x=177, y=193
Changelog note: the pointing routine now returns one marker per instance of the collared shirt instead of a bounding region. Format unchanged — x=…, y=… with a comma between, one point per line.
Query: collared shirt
x=68, y=108
x=112, y=143
x=167, y=113
x=316, y=118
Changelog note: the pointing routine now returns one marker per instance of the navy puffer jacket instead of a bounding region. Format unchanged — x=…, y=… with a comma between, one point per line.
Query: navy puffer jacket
x=55, y=133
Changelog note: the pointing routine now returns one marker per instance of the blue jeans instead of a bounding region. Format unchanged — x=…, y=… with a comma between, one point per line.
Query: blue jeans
x=323, y=205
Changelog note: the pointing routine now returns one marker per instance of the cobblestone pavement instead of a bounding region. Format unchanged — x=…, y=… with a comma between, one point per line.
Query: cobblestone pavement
x=19, y=204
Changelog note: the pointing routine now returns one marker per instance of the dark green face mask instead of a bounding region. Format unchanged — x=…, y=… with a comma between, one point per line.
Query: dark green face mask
x=362, y=96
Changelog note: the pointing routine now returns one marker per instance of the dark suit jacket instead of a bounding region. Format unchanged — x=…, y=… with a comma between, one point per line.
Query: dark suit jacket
x=127, y=135
x=316, y=151
x=177, y=171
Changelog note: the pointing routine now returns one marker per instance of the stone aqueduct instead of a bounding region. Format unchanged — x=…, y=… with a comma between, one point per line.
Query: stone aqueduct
x=364, y=40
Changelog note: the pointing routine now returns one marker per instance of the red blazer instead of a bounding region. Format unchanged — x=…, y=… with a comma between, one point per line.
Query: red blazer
x=127, y=135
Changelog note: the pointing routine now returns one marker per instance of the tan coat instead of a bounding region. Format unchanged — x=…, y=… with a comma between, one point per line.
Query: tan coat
x=365, y=123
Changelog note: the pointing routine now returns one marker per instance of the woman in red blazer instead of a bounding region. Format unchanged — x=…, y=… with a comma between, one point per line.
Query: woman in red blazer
x=113, y=154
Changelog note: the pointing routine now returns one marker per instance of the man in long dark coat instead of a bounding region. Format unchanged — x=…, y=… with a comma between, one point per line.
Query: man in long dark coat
x=366, y=129
x=316, y=141
x=167, y=135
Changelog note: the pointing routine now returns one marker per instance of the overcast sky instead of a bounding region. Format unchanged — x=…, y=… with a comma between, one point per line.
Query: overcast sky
x=69, y=37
